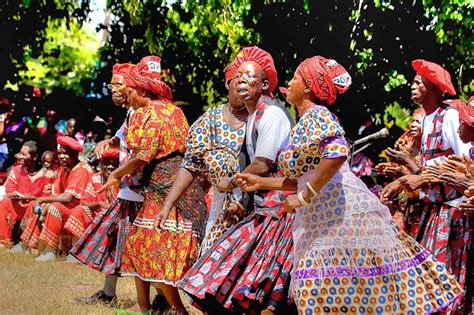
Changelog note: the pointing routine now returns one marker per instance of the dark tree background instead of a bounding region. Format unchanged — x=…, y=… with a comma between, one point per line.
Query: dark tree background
x=375, y=40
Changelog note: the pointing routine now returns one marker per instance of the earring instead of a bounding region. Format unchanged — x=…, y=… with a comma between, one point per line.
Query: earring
x=307, y=90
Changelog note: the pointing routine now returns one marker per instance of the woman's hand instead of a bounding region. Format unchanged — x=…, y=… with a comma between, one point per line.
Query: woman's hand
x=102, y=146
x=112, y=183
x=390, y=191
x=291, y=203
x=397, y=156
x=225, y=185
x=457, y=181
x=161, y=218
x=247, y=182
x=413, y=182
x=234, y=210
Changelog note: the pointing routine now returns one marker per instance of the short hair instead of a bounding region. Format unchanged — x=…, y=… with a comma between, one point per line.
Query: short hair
x=31, y=146
x=53, y=155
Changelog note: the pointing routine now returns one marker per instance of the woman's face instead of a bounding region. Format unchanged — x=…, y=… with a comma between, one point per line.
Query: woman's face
x=117, y=87
x=24, y=157
x=296, y=87
x=415, y=124
x=134, y=97
x=466, y=133
x=234, y=98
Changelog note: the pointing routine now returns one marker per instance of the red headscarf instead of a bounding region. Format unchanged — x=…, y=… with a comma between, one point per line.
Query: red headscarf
x=325, y=77
x=122, y=68
x=146, y=75
x=435, y=74
x=466, y=111
x=259, y=56
x=70, y=142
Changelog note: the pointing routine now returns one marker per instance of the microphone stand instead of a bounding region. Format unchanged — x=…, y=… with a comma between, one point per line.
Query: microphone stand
x=362, y=149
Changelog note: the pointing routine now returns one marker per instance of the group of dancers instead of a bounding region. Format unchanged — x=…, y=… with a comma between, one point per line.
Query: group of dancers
x=245, y=211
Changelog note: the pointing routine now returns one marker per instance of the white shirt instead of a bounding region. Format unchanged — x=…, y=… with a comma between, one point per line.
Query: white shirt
x=125, y=192
x=449, y=132
x=273, y=132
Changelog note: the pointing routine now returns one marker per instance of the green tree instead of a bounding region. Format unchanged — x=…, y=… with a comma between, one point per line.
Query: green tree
x=69, y=55
x=23, y=24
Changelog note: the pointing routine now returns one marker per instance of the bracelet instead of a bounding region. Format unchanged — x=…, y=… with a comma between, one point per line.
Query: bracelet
x=232, y=182
x=301, y=199
x=311, y=189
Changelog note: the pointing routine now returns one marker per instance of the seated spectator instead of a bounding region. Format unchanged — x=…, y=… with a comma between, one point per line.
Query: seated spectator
x=92, y=203
x=23, y=185
x=67, y=191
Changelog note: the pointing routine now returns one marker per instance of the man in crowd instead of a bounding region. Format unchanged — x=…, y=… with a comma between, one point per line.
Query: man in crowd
x=437, y=223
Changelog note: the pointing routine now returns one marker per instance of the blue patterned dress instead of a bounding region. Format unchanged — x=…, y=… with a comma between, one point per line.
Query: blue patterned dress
x=214, y=150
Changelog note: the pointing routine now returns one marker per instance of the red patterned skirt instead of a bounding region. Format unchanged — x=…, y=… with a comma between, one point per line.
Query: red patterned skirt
x=447, y=233
x=248, y=267
x=165, y=255
x=101, y=245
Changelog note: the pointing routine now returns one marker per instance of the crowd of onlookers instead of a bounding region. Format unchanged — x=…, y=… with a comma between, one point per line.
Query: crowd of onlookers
x=27, y=122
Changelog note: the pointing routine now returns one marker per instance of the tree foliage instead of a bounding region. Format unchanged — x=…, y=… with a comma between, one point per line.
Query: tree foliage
x=22, y=26
x=375, y=40
x=68, y=57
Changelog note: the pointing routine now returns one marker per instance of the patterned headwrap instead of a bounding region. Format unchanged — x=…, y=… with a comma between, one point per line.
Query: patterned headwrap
x=259, y=56
x=146, y=75
x=325, y=77
x=122, y=68
x=435, y=74
x=466, y=111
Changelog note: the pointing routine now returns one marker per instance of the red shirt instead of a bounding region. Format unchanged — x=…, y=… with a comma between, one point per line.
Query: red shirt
x=19, y=180
x=73, y=182
x=96, y=183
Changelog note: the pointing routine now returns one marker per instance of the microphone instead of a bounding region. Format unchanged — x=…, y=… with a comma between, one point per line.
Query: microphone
x=382, y=133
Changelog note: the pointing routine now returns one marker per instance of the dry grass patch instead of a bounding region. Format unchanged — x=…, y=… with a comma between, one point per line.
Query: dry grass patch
x=27, y=287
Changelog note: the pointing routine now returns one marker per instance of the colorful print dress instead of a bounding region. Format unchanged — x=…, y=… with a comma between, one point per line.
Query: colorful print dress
x=157, y=135
x=214, y=149
x=248, y=267
x=349, y=255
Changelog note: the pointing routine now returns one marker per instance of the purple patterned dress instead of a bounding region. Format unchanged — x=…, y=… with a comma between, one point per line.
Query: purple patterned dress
x=349, y=255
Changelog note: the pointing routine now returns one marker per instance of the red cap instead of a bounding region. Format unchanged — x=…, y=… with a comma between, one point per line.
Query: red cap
x=69, y=142
x=111, y=154
x=259, y=56
x=435, y=74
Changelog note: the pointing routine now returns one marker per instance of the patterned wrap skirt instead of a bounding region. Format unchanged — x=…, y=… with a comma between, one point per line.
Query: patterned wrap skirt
x=101, y=245
x=218, y=221
x=165, y=255
x=247, y=268
x=447, y=233
x=350, y=257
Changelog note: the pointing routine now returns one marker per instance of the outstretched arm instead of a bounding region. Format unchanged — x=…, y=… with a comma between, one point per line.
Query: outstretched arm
x=127, y=168
x=325, y=171
x=183, y=180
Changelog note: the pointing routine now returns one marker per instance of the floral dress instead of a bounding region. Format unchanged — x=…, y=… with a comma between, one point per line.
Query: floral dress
x=349, y=255
x=157, y=135
x=214, y=149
